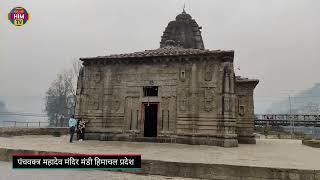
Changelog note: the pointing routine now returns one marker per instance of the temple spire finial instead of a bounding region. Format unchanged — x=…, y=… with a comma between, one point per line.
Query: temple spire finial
x=184, y=7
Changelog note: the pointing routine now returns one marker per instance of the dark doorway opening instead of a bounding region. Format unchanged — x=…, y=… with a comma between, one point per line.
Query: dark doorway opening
x=150, y=91
x=150, y=120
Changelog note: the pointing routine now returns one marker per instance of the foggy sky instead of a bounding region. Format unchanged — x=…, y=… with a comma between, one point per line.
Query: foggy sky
x=275, y=41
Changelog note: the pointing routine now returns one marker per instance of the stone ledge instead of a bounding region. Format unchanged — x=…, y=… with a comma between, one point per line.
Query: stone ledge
x=311, y=143
x=211, y=141
x=199, y=170
x=16, y=131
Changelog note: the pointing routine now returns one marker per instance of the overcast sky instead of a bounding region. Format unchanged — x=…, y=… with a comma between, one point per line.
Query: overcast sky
x=275, y=41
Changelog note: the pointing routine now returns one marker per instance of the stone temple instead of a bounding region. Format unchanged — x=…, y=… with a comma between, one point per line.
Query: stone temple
x=178, y=93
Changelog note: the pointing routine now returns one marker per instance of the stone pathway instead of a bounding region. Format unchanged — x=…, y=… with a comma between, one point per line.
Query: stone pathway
x=7, y=173
x=278, y=153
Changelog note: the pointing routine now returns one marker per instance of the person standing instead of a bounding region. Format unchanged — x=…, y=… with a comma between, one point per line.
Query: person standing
x=77, y=131
x=82, y=128
x=72, y=127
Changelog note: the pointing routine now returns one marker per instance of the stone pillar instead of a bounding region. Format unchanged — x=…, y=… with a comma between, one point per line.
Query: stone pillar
x=229, y=122
x=194, y=103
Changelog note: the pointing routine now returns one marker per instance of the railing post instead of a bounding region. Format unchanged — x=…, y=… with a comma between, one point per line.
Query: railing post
x=27, y=124
x=39, y=123
x=15, y=123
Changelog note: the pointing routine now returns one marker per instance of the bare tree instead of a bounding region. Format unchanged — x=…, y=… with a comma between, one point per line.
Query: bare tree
x=61, y=96
x=76, y=67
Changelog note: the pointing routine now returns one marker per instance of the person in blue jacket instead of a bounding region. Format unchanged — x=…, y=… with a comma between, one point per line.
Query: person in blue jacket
x=72, y=127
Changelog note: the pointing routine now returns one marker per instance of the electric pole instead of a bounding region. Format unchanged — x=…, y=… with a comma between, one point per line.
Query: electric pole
x=290, y=116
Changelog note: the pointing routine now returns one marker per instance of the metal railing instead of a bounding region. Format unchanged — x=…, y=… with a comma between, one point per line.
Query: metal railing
x=293, y=123
x=306, y=120
x=25, y=124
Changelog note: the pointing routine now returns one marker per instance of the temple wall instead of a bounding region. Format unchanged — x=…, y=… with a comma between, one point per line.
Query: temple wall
x=116, y=92
x=195, y=98
x=245, y=112
x=200, y=102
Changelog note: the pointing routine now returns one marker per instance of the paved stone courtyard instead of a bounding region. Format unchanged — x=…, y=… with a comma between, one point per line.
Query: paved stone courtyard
x=277, y=153
x=7, y=173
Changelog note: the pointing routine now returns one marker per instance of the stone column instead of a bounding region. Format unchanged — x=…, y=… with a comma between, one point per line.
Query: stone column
x=194, y=102
x=229, y=124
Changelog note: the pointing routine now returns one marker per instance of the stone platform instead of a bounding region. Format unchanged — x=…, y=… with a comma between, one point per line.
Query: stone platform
x=185, y=139
x=312, y=143
x=268, y=159
x=20, y=131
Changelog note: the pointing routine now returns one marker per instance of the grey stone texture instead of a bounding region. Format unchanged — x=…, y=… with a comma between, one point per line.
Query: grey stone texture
x=200, y=100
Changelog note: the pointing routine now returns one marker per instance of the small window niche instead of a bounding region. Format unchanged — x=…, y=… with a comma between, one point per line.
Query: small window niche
x=241, y=110
x=208, y=73
x=150, y=91
x=183, y=75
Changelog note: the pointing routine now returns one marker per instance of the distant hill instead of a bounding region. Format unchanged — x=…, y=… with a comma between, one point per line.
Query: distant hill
x=3, y=107
x=306, y=102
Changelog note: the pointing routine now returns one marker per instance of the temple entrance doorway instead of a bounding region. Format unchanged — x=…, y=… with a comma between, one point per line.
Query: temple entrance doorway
x=150, y=120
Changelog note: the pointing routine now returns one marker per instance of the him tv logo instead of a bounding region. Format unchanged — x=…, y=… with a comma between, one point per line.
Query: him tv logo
x=18, y=16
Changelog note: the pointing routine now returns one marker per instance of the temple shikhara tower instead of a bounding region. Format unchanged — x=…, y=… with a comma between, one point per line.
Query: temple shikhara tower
x=178, y=93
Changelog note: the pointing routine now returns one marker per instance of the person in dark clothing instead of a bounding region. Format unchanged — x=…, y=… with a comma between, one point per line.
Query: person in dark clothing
x=77, y=131
x=72, y=127
x=81, y=129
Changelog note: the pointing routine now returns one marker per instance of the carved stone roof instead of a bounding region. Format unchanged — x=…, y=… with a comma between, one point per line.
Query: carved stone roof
x=184, y=31
x=162, y=52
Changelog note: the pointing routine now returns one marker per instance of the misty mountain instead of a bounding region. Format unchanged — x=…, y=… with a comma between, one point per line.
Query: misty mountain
x=306, y=102
x=3, y=107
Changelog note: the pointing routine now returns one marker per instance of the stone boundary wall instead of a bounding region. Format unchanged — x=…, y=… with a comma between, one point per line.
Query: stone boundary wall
x=17, y=131
x=311, y=143
x=199, y=170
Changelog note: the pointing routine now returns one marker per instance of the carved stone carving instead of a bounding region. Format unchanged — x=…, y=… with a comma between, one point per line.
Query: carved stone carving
x=208, y=73
x=165, y=103
x=118, y=78
x=226, y=103
x=194, y=104
x=94, y=103
x=241, y=110
x=183, y=104
x=116, y=100
x=208, y=99
x=107, y=103
x=116, y=105
x=97, y=76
